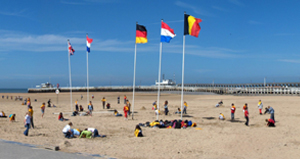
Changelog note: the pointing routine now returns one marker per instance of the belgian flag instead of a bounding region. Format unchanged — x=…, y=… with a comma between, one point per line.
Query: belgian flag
x=191, y=25
x=141, y=34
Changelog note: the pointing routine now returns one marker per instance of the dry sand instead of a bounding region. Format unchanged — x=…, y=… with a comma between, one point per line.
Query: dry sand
x=216, y=139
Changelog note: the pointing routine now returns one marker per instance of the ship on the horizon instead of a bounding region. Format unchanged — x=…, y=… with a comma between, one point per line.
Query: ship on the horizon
x=166, y=82
x=45, y=85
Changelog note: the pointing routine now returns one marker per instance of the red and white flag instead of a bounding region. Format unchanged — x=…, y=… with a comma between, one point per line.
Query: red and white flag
x=71, y=50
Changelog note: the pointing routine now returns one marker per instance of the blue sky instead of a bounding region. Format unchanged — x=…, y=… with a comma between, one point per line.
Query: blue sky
x=240, y=41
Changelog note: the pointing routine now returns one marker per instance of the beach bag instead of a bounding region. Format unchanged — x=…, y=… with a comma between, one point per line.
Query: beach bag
x=189, y=123
x=178, y=125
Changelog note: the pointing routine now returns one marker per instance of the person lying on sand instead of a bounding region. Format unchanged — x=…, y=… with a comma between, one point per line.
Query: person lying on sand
x=116, y=113
x=178, y=111
x=2, y=115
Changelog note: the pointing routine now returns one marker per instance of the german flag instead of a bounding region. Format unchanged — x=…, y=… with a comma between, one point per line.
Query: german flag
x=141, y=34
x=191, y=26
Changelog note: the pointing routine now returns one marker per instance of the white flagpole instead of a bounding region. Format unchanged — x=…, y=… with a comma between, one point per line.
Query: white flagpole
x=87, y=76
x=159, y=74
x=133, y=81
x=182, y=82
x=70, y=78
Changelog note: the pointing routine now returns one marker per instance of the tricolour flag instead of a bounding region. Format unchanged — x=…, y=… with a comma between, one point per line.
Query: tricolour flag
x=166, y=33
x=141, y=34
x=71, y=50
x=88, y=43
x=191, y=25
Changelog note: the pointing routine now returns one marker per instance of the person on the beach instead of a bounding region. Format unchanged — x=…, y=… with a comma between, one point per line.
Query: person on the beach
x=166, y=107
x=126, y=109
x=28, y=102
x=246, y=116
x=76, y=105
x=219, y=104
x=125, y=98
x=232, y=111
x=30, y=112
x=138, y=131
x=26, y=124
x=118, y=99
x=67, y=131
x=86, y=134
x=178, y=111
x=244, y=107
x=270, y=122
x=61, y=117
x=271, y=111
x=221, y=116
x=75, y=113
x=185, y=107
x=43, y=109
x=129, y=106
x=81, y=97
x=108, y=106
x=76, y=132
x=94, y=132
x=12, y=117
x=90, y=107
x=157, y=112
x=49, y=103
x=116, y=113
x=103, y=100
x=93, y=97
x=154, y=106
x=260, y=106
x=81, y=108
x=2, y=114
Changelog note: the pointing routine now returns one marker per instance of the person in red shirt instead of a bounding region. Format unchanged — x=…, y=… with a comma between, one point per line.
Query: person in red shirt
x=232, y=111
x=125, y=109
x=246, y=116
x=270, y=122
x=245, y=106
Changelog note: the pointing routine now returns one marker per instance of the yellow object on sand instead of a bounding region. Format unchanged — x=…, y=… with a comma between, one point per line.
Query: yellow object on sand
x=198, y=128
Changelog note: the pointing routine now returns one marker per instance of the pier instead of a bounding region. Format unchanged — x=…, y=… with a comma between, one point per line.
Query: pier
x=234, y=89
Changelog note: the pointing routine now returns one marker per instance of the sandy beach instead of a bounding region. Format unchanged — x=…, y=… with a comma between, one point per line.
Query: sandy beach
x=216, y=139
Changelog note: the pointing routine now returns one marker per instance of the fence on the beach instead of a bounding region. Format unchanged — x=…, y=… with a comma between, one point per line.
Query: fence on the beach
x=262, y=90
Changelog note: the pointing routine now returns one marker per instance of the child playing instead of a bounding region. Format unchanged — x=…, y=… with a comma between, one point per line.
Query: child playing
x=61, y=117
x=166, y=108
x=221, y=116
x=117, y=113
x=43, y=109
x=184, y=108
x=246, y=116
x=12, y=117
x=260, y=106
x=126, y=109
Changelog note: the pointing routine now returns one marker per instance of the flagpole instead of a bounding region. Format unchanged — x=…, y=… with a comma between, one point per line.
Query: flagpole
x=87, y=75
x=182, y=82
x=159, y=74
x=70, y=78
x=133, y=81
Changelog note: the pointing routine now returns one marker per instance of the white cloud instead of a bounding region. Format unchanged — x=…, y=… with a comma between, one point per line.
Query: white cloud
x=289, y=60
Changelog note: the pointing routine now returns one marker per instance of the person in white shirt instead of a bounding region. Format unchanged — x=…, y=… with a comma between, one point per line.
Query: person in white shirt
x=94, y=131
x=68, y=131
x=26, y=124
x=221, y=116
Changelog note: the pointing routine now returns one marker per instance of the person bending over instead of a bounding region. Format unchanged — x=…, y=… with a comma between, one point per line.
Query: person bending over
x=138, y=131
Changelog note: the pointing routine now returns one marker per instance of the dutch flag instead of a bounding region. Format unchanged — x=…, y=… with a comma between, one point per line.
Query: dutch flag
x=166, y=33
x=88, y=43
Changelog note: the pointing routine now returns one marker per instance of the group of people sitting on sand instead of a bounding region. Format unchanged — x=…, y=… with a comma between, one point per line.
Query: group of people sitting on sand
x=269, y=109
x=85, y=133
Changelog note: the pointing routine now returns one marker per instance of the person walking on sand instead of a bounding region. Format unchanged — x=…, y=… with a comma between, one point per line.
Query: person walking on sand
x=76, y=105
x=232, y=111
x=185, y=107
x=246, y=116
x=30, y=112
x=28, y=102
x=103, y=102
x=244, y=107
x=125, y=98
x=260, y=106
x=118, y=99
x=90, y=107
x=166, y=107
x=81, y=97
x=126, y=109
x=26, y=124
x=43, y=109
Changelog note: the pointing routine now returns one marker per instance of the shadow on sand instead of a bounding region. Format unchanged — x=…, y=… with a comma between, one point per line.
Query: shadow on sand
x=209, y=118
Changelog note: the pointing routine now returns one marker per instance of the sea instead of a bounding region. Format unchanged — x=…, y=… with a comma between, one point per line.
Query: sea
x=13, y=90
